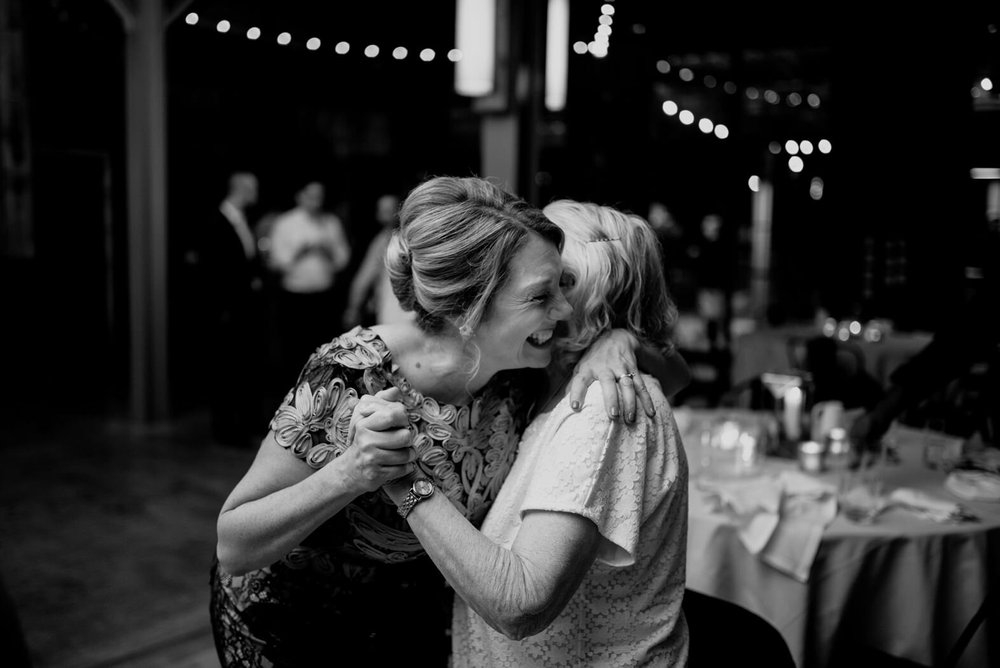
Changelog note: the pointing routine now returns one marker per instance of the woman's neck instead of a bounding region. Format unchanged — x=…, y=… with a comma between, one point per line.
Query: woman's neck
x=436, y=365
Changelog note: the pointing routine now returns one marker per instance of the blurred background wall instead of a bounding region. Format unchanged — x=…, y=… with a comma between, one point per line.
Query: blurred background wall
x=884, y=225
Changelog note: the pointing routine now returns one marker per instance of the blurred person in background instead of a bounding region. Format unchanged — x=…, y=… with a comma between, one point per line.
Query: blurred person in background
x=370, y=300
x=233, y=272
x=581, y=559
x=308, y=249
x=671, y=237
x=953, y=384
x=313, y=560
x=712, y=262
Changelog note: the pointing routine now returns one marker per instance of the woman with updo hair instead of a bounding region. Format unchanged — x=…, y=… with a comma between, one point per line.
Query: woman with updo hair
x=581, y=559
x=314, y=561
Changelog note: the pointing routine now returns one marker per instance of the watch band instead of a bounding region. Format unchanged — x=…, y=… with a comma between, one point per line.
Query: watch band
x=406, y=506
x=420, y=489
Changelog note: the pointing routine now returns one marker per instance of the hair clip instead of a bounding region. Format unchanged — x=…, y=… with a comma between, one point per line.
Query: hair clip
x=603, y=238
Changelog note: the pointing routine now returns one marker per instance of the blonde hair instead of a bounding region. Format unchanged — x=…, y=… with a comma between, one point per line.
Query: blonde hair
x=451, y=252
x=614, y=267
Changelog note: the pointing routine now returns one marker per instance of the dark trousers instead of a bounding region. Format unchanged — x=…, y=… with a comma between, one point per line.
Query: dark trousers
x=303, y=322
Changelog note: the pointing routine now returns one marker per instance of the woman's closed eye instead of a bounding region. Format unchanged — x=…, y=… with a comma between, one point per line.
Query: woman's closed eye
x=542, y=298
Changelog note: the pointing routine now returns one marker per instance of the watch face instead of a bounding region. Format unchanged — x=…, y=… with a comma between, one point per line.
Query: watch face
x=423, y=487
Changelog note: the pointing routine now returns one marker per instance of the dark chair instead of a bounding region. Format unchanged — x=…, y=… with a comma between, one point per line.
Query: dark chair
x=725, y=634
x=13, y=647
x=837, y=369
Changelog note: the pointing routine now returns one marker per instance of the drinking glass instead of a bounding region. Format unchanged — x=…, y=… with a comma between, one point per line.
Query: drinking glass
x=860, y=494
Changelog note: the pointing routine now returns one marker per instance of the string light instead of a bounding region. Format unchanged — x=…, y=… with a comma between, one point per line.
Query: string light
x=793, y=99
x=598, y=47
x=342, y=47
x=816, y=188
x=706, y=125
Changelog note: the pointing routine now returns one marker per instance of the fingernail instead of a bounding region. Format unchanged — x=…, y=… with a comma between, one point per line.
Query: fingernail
x=575, y=405
x=630, y=417
x=614, y=412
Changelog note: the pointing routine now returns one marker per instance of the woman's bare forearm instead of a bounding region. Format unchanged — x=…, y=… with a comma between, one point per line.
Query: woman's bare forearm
x=517, y=591
x=260, y=531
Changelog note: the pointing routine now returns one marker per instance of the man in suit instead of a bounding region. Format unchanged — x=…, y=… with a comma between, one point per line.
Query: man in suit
x=234, y=289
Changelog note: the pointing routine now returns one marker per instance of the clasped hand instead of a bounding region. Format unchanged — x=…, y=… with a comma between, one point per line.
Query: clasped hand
x=381, y=443
x=611, y=360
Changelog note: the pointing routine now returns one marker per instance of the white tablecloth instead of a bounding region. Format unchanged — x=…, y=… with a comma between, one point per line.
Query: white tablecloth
x=904, y=585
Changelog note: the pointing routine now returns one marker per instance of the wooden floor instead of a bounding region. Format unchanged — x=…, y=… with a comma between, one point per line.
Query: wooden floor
x=106, y=536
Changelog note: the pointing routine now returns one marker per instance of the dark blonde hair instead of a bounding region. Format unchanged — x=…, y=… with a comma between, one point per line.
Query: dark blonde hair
x=452, y=250
x=613, y=263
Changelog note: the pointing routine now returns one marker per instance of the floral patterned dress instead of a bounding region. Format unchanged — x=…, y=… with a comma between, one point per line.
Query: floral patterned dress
x=361, y=585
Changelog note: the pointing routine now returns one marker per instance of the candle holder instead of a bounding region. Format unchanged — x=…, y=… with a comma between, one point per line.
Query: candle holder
x=811, y=456
x=734, y=443
x=792, y=392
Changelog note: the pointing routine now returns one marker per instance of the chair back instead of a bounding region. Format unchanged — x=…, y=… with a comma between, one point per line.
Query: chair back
x=725, y=634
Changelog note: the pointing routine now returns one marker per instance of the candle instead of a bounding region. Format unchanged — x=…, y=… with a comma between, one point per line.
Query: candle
x=729, y=435
x=811, y=456
x=792, y=415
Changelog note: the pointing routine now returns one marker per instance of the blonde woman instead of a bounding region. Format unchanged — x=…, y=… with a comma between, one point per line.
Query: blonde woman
x=581, y=559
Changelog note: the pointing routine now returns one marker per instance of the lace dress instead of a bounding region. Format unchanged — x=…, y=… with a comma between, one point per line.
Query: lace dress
x=360, y=585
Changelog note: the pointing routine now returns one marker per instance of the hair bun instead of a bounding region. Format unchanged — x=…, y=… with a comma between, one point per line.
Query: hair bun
x=399, y=264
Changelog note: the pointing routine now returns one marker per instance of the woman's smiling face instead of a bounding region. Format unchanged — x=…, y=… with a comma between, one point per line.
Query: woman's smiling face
x=518, y=327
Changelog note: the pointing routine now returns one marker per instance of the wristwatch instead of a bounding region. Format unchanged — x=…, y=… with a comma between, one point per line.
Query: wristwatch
x=421, y=489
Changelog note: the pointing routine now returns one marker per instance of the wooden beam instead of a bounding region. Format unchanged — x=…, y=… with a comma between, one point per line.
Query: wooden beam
x=126, y=11
x=173, y=13
x=147, y=215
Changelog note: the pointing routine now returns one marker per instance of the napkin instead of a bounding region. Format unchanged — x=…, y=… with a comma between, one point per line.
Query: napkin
x=753, y=502
x=974, y=485
x=807, y=507
x=781, y=518
x=928, y=506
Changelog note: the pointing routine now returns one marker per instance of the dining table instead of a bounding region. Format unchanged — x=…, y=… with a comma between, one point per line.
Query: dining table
x=772, y=349
x=903, y=585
